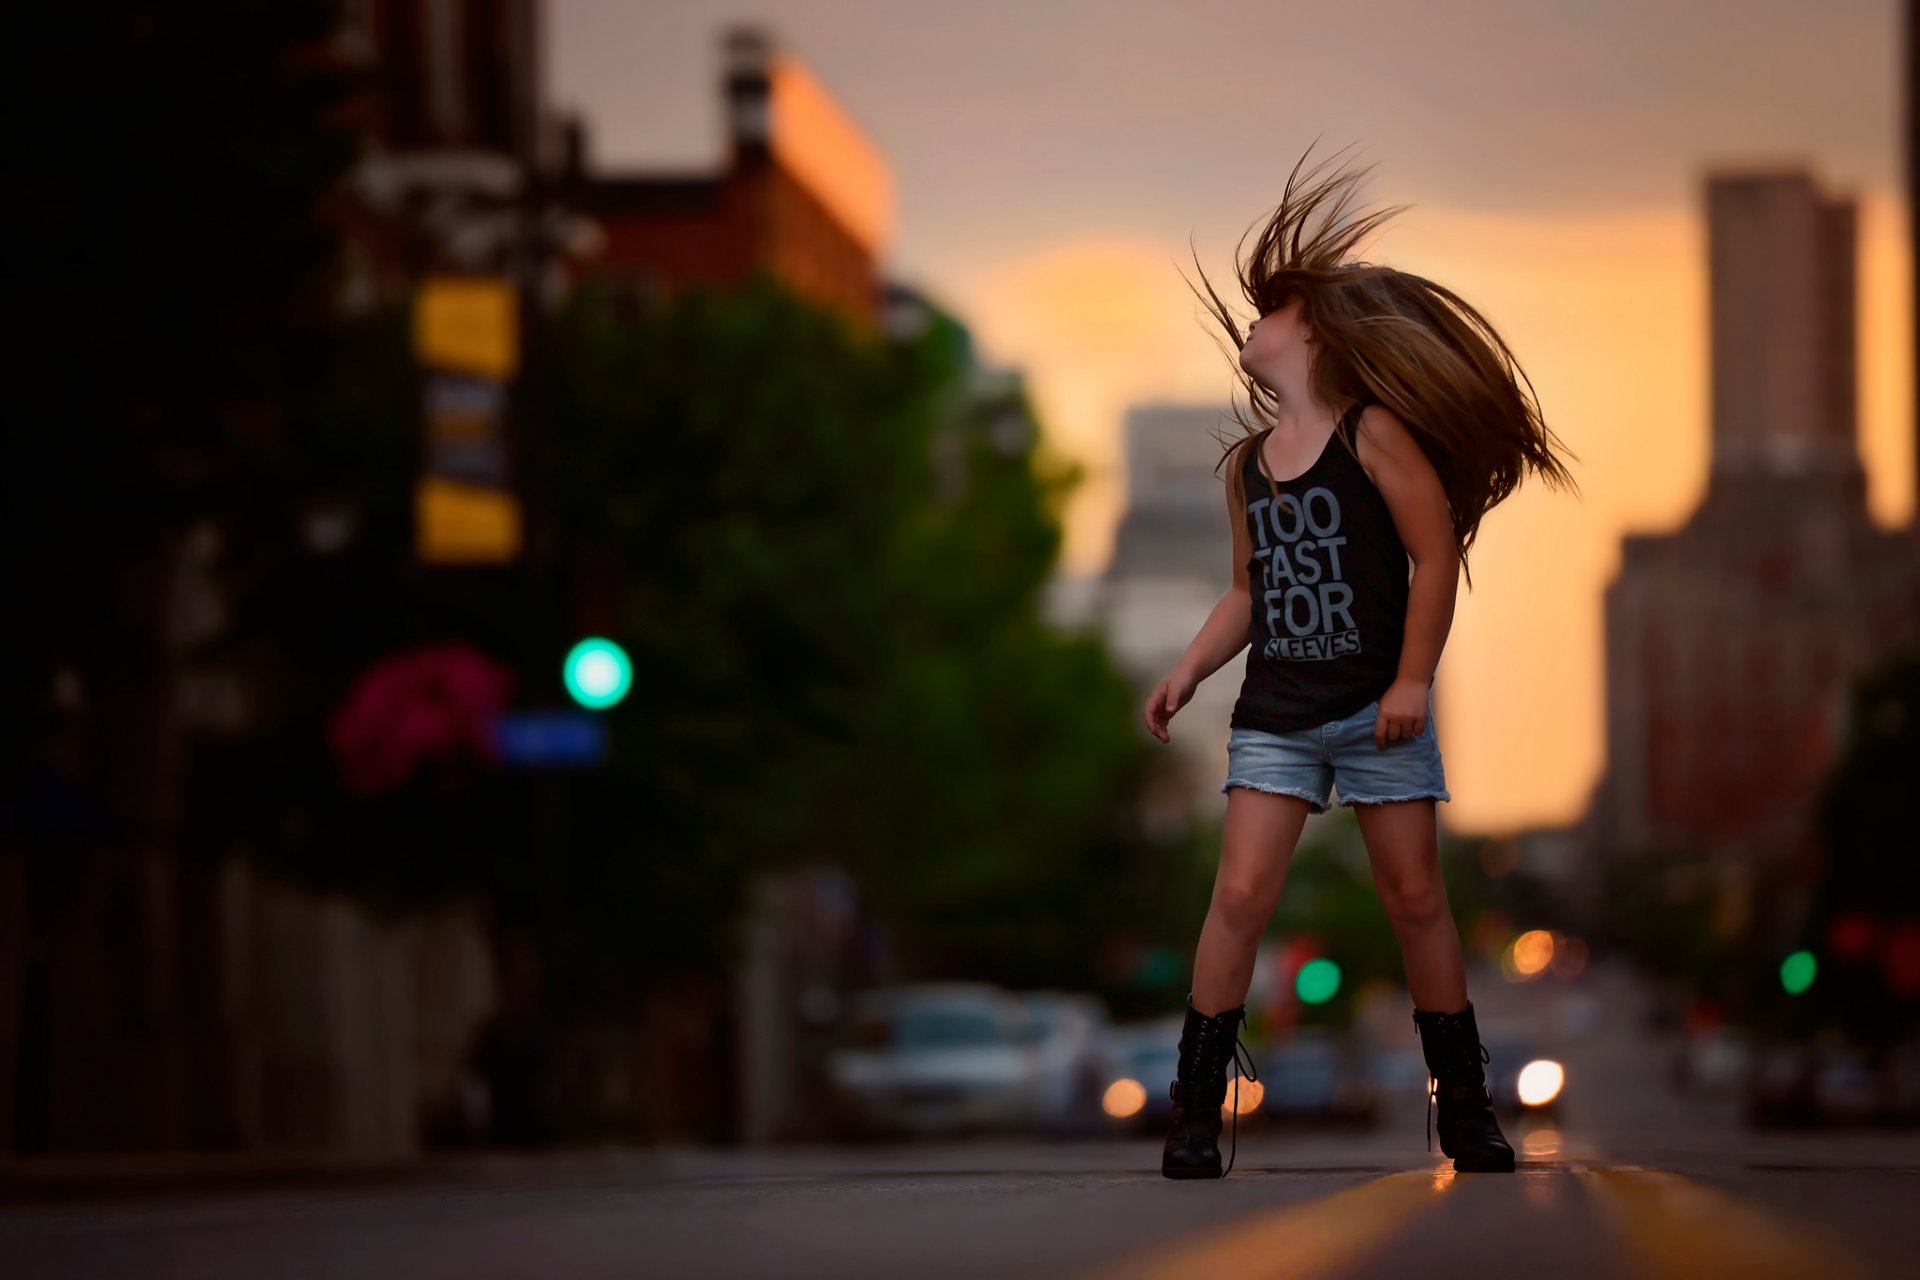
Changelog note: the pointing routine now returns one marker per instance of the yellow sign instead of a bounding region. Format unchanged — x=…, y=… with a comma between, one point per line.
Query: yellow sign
x=467, y=323
x=458, y=523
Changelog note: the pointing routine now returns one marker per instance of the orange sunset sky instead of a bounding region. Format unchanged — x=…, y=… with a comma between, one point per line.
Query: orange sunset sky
x=1054, y=162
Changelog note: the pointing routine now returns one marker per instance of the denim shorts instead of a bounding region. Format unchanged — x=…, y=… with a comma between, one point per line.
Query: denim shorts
x=1310, y=763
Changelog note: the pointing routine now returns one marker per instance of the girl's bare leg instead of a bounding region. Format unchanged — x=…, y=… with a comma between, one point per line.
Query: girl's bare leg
x=1403, y=848
x=1256, y=844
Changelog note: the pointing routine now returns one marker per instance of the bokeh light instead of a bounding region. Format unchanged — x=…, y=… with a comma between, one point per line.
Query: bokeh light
x=598, y=673
x=1900, y=960
x=1317, y=981
x=1532, y=952
x=1251, y=1091
x=1541, y=1081
x=1124, y=1098
x=1569, y=958
x=1797, y=972
x=1850, y=935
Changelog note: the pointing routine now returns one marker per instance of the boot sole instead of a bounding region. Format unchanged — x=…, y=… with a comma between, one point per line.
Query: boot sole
x=1188, y=1173
x=1467, y=1164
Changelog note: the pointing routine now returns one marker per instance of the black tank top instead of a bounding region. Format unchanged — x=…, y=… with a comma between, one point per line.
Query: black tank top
x=1328, y=577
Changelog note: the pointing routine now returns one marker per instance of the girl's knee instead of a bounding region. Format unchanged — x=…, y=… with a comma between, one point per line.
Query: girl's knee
x=1241, y=905
x=1414, y=899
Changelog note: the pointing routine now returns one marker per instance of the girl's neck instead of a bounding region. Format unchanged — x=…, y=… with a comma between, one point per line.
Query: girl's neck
x=1290, y=419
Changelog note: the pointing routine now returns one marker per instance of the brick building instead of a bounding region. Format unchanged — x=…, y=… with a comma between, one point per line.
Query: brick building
x=1732, y=641
x=461, y=145
x=802, y=195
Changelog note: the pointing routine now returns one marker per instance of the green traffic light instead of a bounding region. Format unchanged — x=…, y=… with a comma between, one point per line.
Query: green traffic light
x=1317, y=981
x=598, y=673
x=1796, y=972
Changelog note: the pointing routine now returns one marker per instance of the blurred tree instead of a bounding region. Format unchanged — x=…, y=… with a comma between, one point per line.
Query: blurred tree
x=830, y=553
x=1330, y=897
x=838, y=650
x=1657, y=906
x=1864, y=925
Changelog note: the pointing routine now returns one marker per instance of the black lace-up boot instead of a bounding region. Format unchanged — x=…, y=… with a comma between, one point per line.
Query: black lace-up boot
x=1468, y=1131
x=1199, y=1089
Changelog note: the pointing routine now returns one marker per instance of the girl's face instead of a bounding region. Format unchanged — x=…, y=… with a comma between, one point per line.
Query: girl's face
x=1275, y=343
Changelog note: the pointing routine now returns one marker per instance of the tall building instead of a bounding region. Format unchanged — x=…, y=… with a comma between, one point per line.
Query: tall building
x=1731, y=642
x=1175, y=523
x=1172, y=558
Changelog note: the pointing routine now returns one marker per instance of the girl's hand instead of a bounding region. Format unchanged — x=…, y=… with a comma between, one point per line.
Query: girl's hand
x=1403, y=713
x=1171, y=694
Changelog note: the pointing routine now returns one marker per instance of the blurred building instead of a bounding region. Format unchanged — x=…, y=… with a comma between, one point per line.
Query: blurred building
x=453, y=125
x=1172, y=559
x=160, y=995
x=161, y=999
x=803, y=194
x=1175, y=522
x=468, y=169
x=1732, y=640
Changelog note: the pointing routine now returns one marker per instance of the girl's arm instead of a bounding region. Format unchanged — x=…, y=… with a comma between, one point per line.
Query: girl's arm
x=1418, y=502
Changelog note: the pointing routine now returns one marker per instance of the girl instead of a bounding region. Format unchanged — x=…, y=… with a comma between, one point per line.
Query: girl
x=1395, y=422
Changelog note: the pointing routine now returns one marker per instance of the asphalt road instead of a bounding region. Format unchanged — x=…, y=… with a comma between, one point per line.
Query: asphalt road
x=1632, y=1181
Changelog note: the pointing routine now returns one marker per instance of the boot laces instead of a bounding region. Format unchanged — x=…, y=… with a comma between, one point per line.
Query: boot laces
x=1205, y=1052
x=1240, y=1051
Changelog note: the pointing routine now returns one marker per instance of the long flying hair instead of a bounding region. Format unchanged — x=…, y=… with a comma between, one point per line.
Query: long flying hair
x=1395, y=337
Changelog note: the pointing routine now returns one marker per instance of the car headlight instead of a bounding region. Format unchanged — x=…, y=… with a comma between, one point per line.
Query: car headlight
x=1124, y=1097
x=1540, y=1082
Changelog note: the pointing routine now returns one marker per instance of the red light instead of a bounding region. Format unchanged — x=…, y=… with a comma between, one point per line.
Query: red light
x=1850, y=936
x=1900, y=959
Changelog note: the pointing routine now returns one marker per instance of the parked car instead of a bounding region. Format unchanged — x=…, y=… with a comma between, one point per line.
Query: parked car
x=1830, y=1081
x=1142, y=1059
x=1147, y=1056
x=1399, y=1072
x=1713, y=1062
x=1318, y=1074
x=1900, y=1084
x=1071, y=1032
x=934, y=1059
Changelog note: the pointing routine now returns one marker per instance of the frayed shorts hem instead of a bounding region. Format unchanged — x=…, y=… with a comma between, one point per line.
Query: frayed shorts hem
x=1350, y=801
x=1317, y=804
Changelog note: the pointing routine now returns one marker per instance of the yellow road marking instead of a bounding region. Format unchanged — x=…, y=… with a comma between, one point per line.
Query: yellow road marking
x=1680, y=1227
x=1306, y=1240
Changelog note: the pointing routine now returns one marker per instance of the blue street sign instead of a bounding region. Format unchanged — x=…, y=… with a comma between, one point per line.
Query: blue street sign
x=550, y=739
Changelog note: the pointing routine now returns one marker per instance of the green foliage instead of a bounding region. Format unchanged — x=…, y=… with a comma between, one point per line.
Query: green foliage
x=1869, y=826
x=1865, y=811
x=838, y=652
x=1658, y=908
x=1330, y=896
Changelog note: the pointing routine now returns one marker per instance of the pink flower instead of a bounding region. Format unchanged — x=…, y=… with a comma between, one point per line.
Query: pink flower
x=428, y=707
